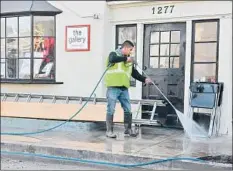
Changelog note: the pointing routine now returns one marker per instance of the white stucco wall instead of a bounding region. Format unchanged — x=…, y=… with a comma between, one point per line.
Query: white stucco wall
x=225, y=74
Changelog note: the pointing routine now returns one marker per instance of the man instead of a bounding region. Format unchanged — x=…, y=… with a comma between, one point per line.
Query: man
x=117, y=80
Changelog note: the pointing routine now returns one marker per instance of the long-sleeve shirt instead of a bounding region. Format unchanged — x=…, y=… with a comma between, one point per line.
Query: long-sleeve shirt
x=113, y=58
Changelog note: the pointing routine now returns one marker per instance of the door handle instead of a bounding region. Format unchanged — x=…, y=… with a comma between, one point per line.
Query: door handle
x=144, y=68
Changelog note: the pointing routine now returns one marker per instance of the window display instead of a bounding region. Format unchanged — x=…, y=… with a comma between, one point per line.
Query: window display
x=20, y=58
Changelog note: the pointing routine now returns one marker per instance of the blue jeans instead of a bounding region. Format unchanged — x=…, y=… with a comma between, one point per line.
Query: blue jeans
x=121, y=94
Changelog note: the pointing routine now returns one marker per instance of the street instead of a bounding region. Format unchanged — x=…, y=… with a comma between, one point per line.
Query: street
x=10, y=162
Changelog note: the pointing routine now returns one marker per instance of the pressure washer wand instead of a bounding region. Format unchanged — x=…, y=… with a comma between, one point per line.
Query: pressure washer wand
x=136, y=64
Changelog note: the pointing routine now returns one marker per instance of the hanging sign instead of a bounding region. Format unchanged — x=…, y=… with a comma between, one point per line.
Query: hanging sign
x=77, y=38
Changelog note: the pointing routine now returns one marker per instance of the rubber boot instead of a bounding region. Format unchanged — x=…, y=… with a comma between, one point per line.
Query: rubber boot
x=128, y=125
x=109, y=126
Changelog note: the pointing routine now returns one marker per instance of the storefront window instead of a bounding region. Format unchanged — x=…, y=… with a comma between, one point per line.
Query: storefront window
x=205, y=51
x=43, y=26
x=26, y=53
x=127, y=32
x=25, y=26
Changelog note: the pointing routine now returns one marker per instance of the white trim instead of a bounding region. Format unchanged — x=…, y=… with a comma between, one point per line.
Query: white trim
x=114, y=3
x=187, y=65
x=173, y=19
x=128, y=4
x=140, y=42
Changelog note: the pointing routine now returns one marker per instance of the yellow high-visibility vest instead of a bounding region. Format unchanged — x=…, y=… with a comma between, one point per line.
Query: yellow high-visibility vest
x=119, y=74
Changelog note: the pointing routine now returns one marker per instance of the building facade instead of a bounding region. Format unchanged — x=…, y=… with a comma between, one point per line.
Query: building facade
x=177, y=42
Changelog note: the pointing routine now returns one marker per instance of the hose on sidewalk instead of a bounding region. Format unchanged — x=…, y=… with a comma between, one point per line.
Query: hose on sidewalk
x=102, y=162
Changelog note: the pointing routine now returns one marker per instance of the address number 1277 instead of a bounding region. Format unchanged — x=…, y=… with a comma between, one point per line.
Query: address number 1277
x=163, y=10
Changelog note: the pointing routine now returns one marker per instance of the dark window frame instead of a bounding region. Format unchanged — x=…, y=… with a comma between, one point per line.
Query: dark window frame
x=31, y=80
x=194, y=22
x=132, y=82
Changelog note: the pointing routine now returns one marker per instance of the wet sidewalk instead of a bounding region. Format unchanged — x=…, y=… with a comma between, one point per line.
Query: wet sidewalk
x=88, y=141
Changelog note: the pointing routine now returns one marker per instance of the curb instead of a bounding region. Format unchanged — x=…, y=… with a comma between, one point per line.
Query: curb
x=110, y=157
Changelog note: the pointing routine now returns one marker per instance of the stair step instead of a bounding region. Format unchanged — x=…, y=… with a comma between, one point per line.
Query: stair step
x=171, y=117
x=146, y=111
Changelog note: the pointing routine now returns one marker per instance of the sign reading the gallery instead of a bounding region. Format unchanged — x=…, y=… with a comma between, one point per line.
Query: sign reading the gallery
x=77, y=38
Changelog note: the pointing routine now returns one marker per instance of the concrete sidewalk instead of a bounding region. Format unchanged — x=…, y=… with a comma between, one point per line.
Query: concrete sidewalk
x=88, y=141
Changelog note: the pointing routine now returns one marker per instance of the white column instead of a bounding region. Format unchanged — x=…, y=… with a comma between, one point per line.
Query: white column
x=187, y=65
x=140, y=40
x=136, y=92
x=225, y=74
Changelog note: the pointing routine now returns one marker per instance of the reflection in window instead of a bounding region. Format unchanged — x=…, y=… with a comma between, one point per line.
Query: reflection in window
x=24, y=47
x=154, y=50
x=11, y=47
x=206, y=31
x=205, y=52
x=24, y=68
x=174, y=62
x=12, y=27
x=43, y=26
x=205, y=72
x=165, y=46
x=165, y=36
x=11, y=65
x=164, y=50
x=18, y=63
x=128, y=32
x=175, y=50
x=175, y=36
x=154, y=62
x=24, y=26
x=154, y=37
x=164, y=62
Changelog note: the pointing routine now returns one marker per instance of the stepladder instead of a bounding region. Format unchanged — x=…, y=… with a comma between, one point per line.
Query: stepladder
x=61, y=107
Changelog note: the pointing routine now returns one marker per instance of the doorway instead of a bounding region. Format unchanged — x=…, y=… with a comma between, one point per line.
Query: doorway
x=164, y=62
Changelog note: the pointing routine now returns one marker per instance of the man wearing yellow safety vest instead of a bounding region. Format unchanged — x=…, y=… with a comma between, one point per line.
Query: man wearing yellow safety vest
x=117, y=81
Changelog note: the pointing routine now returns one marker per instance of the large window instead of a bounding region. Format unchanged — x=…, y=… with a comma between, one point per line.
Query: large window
x=127, y=32
x=28, y=49
x=205, y=51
